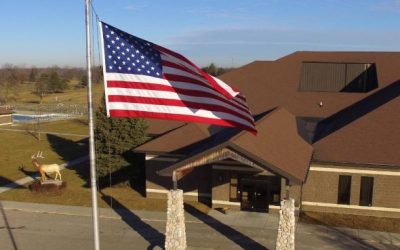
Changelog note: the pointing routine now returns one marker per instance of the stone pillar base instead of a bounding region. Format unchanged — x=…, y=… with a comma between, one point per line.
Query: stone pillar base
x=175, y=235
x=286, y=229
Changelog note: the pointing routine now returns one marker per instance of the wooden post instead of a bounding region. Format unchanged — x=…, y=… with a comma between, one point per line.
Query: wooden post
x=287, y=187
x=174, y=181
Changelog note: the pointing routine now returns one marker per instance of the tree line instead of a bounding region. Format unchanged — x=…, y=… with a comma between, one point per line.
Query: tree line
x=214, y=70
x=44, y=80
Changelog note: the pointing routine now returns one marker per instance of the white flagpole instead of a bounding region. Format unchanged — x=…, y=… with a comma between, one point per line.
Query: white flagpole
x=91, y=131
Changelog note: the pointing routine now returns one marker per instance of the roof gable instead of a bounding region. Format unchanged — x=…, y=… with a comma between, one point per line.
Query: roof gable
x=277, y=147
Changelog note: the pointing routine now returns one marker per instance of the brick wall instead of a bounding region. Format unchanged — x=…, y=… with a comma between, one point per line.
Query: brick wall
x=320, y=191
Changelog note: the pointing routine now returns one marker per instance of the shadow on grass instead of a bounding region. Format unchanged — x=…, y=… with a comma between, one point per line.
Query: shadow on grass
x=4, y=182
x=150, y=234
x=67, y=149
x=70, y=150
x=232, y=234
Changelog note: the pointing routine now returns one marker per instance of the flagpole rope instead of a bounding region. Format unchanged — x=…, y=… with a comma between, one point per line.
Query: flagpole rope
x=92, y=14
x=98, y=39
x=95, y=37
x=95, y=16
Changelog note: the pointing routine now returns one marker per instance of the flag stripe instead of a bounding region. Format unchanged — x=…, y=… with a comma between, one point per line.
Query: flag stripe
x=188, y=92
x=176, y=110
x=224, y=89
x=237, y=101
x=188, y=118
x=162, y=95
x=169, y=71
x=165, y=110
x=175, y=102
x=180, y=67
x=182, y=78
x=171, y=59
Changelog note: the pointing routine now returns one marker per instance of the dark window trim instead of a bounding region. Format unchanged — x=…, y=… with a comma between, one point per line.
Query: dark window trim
x=344, y=189
x=366, y=191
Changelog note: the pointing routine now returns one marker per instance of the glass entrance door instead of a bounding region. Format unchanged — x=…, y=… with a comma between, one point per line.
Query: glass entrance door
x=247, y=195
x=254, y=195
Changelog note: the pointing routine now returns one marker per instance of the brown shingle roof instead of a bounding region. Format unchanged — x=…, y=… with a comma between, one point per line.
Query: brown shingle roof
x=367, y=132
x=271, y=84
x=157, y=127
x=175, y=140
x=358, y=127
x=277, y=145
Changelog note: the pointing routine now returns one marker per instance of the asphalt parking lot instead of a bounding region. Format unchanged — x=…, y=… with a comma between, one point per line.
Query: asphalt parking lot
x=37, y=226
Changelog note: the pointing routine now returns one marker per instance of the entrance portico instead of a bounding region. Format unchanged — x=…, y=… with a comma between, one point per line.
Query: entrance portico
x=244, y=188
x=237, y=181
x=232, y=168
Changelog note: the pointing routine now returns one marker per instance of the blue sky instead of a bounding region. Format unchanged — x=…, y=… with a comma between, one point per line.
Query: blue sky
x=227, y=32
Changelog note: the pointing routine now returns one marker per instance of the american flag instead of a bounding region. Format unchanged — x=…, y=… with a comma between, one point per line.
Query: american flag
x=144, y=79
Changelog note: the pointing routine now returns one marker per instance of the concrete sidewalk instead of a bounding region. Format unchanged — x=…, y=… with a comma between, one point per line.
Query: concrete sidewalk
x=239, y=229
x=246, y=219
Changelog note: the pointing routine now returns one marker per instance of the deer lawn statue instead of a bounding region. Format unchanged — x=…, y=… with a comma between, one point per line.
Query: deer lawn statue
x=45, y=169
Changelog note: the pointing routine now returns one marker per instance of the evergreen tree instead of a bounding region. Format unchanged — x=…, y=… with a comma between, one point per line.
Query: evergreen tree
x=53, y=82
x=32, y=75
x=41, y=86
x=211, y=69
x=214, y=70
x=83, y=82
x=115, y=138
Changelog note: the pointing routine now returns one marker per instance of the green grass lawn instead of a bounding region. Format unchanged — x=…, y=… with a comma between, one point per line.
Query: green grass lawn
x=19, y=146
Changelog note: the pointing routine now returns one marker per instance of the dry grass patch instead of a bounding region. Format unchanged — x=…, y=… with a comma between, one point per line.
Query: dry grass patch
x=352, y=221
x=77, y=126
x=70, y=96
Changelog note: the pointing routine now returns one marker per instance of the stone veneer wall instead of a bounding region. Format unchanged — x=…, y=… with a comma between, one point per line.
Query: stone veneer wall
x=286, y=229
x=175, y=235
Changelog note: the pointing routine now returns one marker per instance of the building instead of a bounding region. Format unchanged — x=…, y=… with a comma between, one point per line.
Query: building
x=328, y=127
x=5, y=116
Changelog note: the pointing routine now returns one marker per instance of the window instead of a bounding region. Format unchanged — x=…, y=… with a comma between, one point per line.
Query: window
x=366, y=190
x=338, y=77
x=344, y=189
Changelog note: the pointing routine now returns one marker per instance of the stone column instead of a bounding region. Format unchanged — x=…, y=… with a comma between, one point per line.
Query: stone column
x=175, y=235
x=286, y=230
